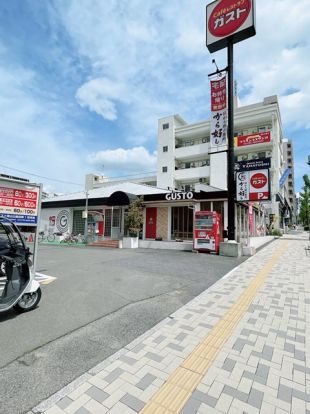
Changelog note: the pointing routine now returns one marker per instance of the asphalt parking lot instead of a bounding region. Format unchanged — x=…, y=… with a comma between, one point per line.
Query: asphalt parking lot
x=101, y=300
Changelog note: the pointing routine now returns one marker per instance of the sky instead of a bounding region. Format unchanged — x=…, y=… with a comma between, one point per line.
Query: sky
x=84, y=82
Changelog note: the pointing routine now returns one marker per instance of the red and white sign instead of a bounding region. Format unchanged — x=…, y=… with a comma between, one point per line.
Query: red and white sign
x=229, y=19
x=19, y=205
x=253, y=185
x=252, y=139
x=218, y=130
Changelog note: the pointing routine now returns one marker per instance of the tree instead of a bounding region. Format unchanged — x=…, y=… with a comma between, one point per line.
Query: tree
x=134, y=219
x=304, y=214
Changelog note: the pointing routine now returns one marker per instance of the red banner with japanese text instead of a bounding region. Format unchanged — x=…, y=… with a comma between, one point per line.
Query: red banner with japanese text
x=218, y=123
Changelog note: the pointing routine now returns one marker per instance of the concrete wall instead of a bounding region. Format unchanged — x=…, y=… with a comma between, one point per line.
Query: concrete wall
x=63, y=220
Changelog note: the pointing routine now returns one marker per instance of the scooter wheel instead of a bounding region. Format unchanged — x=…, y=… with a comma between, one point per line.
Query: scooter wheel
x=28, y=301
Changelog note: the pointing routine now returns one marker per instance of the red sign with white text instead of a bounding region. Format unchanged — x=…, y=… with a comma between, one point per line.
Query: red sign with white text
x=258, y=180
x=257, y=138
x=218, y=94
x=228, y=16
x=229, y=21
x=259, y=185
x=16, y=202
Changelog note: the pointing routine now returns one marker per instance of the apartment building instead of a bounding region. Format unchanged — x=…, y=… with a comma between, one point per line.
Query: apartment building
x=186, y=159
x=289, y=188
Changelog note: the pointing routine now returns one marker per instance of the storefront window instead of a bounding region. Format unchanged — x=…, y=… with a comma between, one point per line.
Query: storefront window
x=205, y=206
x=107, y=224
x=181, y=223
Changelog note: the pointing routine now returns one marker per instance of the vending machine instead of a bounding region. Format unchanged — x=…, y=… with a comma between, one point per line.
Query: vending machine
x=207, y=231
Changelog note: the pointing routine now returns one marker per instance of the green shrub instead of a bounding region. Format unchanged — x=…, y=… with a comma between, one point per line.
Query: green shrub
x=276, y=232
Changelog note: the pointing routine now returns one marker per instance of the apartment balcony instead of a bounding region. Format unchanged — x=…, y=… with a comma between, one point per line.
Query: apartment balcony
x=192, y=173
x=192, y=151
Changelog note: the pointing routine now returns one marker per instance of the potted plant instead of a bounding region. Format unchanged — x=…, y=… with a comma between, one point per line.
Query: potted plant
x=133, y=223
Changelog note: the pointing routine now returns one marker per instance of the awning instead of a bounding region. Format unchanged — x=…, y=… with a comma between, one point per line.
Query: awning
x=120, y=198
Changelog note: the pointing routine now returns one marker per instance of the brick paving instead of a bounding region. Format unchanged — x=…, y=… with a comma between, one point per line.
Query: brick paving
x=260, y=365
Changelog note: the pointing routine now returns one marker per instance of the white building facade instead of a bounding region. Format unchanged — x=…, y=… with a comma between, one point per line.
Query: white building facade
x=186, y=159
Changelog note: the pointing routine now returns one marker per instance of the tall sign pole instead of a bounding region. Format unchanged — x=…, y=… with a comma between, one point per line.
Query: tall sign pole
x=230, y=152
x=229, y=22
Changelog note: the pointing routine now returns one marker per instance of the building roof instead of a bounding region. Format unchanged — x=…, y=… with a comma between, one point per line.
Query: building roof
x=107, y=191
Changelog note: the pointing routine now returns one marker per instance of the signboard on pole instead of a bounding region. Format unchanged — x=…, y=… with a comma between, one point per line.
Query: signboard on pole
x=252, y=139
x=229, y=20
x=218, y=127
x=253, y=185
x=19, y=202
x=284, y=177
x=258, y=164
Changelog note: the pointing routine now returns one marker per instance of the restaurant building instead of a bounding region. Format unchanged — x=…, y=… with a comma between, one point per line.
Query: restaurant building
x=190, y=177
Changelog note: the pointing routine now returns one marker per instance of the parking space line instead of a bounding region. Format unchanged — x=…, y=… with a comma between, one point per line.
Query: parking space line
x=44, y=279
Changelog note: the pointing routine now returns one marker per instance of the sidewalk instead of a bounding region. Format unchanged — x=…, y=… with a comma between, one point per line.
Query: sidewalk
x=242, y=346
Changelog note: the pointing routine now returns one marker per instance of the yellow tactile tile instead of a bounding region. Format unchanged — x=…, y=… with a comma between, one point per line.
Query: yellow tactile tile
x=185, y=379
x=153, y=408
x=172, y=396
x=197, y=364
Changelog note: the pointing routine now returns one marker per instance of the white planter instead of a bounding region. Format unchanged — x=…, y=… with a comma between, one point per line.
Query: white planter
x=130, y=242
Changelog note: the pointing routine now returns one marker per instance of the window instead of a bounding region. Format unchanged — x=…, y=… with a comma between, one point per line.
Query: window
x=165, y=169
x=205, y=206
x=166, y=126
x=181, y=223
x=165, y=148
x=261, y=155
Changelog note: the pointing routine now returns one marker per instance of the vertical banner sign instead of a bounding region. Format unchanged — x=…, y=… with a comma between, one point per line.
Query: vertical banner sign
x=251, y=219
x=218, y=127
x=242, y=182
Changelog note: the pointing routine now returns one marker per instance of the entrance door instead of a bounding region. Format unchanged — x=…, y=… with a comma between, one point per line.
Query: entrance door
x=150, y=228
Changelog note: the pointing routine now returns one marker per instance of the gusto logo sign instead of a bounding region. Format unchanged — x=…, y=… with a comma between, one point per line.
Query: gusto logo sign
x=179, y=196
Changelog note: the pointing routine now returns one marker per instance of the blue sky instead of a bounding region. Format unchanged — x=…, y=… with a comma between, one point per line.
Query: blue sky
x=83, y=82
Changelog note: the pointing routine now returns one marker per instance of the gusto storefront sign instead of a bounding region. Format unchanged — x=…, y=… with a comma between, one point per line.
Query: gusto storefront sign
x=179, y=196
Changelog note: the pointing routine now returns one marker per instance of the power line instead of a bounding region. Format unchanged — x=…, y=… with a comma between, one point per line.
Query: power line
x=70, y=182
x=40, y=176
x=131, y=175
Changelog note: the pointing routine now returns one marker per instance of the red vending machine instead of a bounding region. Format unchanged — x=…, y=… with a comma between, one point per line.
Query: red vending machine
x=207, y=231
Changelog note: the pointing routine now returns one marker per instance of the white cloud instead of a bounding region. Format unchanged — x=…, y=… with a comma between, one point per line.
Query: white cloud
x=136, y=159
x=98, y=95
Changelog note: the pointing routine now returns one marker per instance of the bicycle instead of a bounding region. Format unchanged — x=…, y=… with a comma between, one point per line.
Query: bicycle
x=69, y=238
x=50, y=237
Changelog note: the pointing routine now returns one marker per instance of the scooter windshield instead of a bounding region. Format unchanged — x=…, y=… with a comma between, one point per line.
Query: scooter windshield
x=14, y=270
